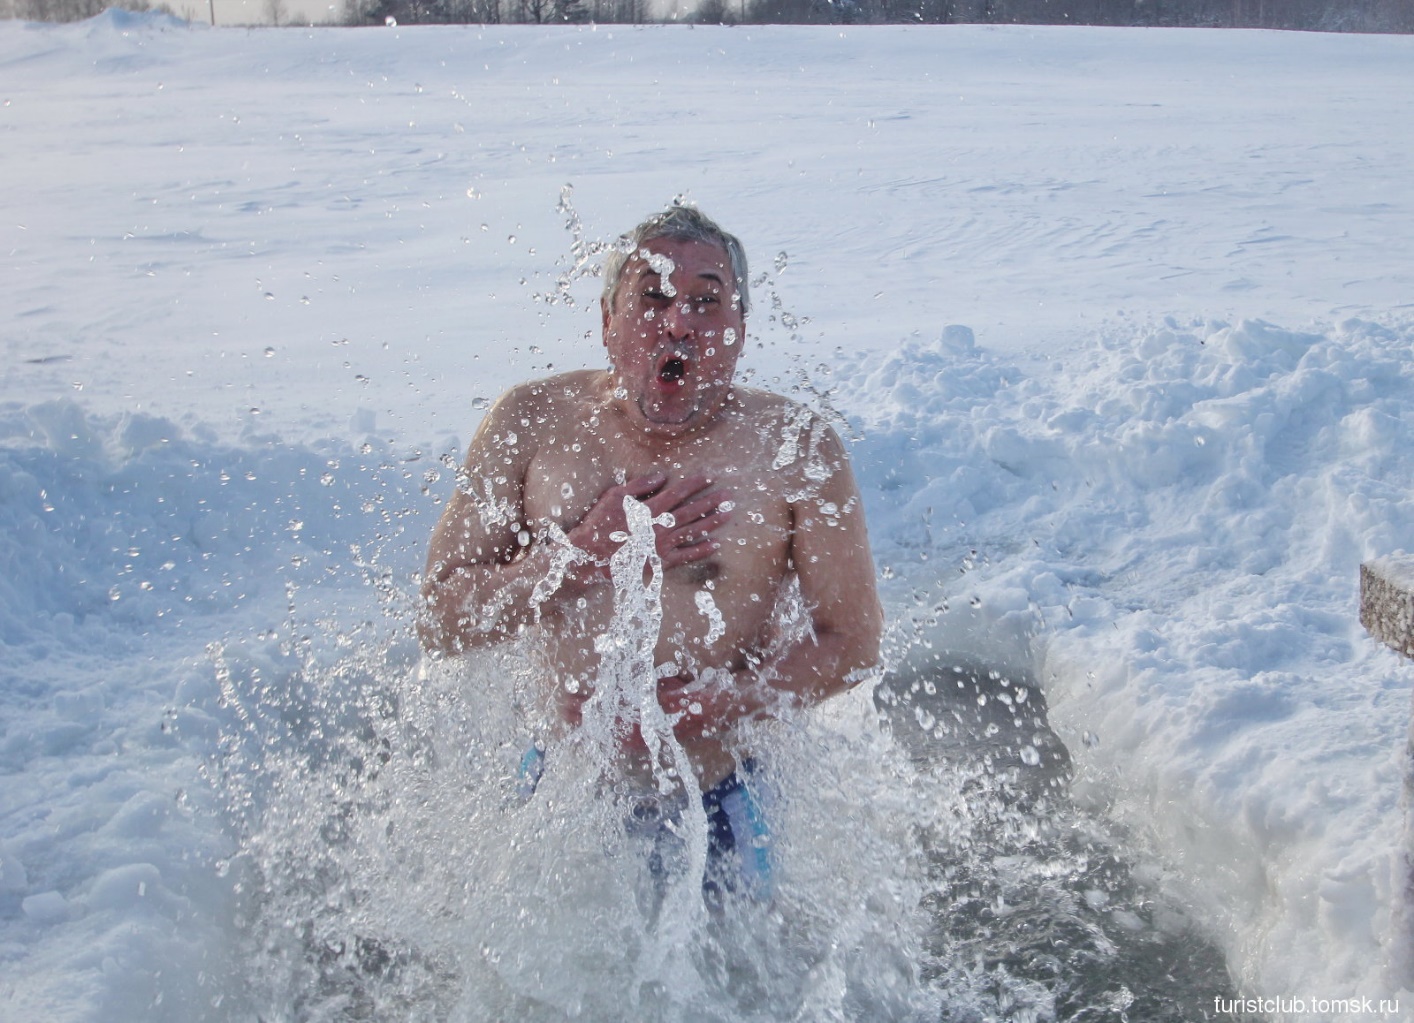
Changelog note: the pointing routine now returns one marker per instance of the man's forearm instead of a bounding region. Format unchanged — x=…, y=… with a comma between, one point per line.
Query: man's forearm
x=807, y=672
x=477, y=604
x=816, y=668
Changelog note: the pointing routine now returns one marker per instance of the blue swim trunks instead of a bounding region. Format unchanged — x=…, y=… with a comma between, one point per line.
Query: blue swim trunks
x=738, y=837
x=739, y=849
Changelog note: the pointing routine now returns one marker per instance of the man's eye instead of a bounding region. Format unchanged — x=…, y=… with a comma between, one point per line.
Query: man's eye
x=654, y=295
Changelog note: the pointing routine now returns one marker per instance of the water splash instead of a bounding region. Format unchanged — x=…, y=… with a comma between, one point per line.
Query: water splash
x=930, y=863
x=583, y=253
x=390, y=867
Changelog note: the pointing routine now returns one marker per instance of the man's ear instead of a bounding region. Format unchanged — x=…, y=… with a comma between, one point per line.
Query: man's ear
x=604, y=319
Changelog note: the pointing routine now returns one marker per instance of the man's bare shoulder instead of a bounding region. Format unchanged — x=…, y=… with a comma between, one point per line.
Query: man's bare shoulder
x=767, y=408
x=576, y=385
x=528, y=408
x=797, y=428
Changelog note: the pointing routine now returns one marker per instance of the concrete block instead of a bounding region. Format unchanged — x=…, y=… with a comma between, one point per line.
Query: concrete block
x=1387, y=601
x=1387, y=611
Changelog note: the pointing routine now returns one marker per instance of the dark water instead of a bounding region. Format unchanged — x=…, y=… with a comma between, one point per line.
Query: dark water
x=1036, y=911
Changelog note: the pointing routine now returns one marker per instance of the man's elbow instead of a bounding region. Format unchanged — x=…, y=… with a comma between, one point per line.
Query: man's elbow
x=440, y=631
x=858, y=643
x=433, y=635
x=867, y=627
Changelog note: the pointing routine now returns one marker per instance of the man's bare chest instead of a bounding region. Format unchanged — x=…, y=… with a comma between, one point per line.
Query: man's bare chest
x=565, y=480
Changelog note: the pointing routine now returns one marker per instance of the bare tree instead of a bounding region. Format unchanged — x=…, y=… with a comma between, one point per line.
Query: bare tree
x=533, y=12
x=628, y=12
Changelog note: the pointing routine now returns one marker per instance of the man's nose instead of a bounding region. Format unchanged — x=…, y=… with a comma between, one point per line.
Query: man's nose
x=676, y=320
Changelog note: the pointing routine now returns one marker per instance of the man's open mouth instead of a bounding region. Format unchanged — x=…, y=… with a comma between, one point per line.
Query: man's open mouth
x=673, y=370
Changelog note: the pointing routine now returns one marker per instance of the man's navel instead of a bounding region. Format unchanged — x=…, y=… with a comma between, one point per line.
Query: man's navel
x=699, y=572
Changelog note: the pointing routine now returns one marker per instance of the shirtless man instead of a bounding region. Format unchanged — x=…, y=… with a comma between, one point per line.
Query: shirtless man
x=758, y=490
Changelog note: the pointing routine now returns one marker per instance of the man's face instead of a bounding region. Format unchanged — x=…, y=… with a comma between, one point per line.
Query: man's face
x=674, y=332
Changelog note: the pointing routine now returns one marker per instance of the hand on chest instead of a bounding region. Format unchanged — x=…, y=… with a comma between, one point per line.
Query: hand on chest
x=564, y=484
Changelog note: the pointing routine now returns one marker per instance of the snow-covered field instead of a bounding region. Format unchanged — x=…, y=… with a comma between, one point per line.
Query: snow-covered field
x=1121, y=321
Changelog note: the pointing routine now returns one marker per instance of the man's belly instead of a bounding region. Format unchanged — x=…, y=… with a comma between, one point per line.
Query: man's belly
x=703, y=619
x=698, y=638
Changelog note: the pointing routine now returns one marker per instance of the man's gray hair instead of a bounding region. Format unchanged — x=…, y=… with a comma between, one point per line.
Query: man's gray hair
x=683, y=224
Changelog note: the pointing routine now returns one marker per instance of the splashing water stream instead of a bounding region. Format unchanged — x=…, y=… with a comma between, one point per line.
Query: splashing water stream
x=629, y=692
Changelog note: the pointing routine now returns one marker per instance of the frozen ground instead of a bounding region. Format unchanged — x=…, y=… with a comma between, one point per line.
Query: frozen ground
x=259, y=280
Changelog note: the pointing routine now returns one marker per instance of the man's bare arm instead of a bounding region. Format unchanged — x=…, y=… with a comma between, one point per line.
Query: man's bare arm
x=478, y=556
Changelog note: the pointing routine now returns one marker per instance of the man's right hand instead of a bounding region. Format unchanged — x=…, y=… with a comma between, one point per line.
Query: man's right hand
x=698, y=508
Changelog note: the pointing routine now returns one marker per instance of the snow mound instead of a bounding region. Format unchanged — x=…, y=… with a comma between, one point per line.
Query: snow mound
x=1169, y=528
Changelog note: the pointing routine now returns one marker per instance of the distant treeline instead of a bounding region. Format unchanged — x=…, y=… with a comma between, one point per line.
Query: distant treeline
x=1318, y=15
x=72, y=10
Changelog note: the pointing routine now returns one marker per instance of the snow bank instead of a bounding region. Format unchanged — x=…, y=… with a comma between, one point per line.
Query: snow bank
x=127, y=547
x=1170, y=528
